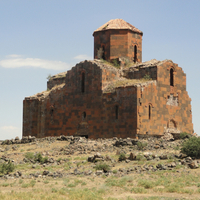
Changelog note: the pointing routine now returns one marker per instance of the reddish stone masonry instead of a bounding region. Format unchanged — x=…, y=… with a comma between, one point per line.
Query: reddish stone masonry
x=95, y=99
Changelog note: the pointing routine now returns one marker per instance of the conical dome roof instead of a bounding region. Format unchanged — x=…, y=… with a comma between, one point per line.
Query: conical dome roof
x=118, y=24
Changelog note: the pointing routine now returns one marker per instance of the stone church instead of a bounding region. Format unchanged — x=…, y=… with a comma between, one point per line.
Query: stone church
x=114, y=95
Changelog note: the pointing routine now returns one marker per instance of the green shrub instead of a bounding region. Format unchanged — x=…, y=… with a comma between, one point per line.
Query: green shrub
x=102, y=166
x=85, y=194
x=49, y=77
x=54, y=190
x=141, y=145
x=5, y=184
x=46, y=181
x=174, y=187
x=83, y=183
x=6, y=168
x=116, y=63
x=139, y=157
x=137, y=190
x=59, y=159
x=147, y=184
x=191, y=147
x=184, y=135
x=40, y=159
x=147, y=77
x=32, y=183
x=37, y=157
x=29, y=155
x=176, y=148
x=119, y=182
x=122, y=156
x=20, y=181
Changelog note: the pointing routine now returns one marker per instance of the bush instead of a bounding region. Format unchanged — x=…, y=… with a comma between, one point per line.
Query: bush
x=191, y=147
x=6, y=168
x=49, y=77
x=141, y=145
x=147, y=77
x=40, y=159
x=29, y=155
x=184, y=135
x=37, y=157
x=102, y=166
x=140, y=157
x=122, y=156
x=116, y=63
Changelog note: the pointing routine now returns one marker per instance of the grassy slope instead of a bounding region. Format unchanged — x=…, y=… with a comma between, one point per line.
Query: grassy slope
x=145, y=185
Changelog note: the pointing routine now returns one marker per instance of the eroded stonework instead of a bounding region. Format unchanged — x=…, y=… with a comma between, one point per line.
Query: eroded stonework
x=95, y=99
x=172, y=100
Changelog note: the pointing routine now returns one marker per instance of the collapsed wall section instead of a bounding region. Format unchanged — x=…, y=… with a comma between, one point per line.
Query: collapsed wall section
x=147, y=70
x=57, y=79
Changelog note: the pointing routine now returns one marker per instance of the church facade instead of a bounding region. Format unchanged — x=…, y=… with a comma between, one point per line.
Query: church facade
x=114, y=95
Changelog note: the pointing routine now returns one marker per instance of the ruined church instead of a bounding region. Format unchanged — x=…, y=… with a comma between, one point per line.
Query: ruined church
x=114, y=95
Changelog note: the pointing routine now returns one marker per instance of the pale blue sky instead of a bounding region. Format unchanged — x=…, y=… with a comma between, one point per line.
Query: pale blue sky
x=41, y=37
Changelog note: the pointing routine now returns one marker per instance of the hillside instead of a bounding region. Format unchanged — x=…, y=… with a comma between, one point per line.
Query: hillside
x=68, y=167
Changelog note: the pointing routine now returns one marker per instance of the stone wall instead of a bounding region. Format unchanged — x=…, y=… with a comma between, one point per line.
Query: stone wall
x=30, y=116
x=70, y=111
x=141, y=72
x=172, y=117
x=118, y=43
x=81, y=106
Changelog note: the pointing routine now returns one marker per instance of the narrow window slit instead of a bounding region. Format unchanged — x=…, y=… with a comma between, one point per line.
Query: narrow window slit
x=171, y=77
x=135, y=54
x=84, y=115
x=149, y=112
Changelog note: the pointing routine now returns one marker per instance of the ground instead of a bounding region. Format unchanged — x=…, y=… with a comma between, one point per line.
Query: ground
x=72, y=170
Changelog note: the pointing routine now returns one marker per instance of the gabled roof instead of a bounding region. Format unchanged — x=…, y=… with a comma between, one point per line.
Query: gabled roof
x=118, y=24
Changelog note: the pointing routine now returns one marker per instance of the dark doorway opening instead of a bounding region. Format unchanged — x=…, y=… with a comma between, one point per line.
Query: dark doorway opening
x=86, y=136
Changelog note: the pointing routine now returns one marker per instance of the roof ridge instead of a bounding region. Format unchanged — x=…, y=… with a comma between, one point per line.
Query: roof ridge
x=118, y=24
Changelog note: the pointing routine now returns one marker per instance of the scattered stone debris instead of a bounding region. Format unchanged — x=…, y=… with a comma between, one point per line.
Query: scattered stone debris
x=110, y=152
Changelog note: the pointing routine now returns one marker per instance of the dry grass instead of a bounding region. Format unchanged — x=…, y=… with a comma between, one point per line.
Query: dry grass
x=132, y=186
x=144, y=185
x=124, y=83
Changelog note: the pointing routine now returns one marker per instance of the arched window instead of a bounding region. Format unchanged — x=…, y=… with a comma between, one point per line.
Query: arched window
x=149, y=111
x=135, y=53
x=83, y=83
x=172, y=124
x=171, y=77
x=116, y=112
